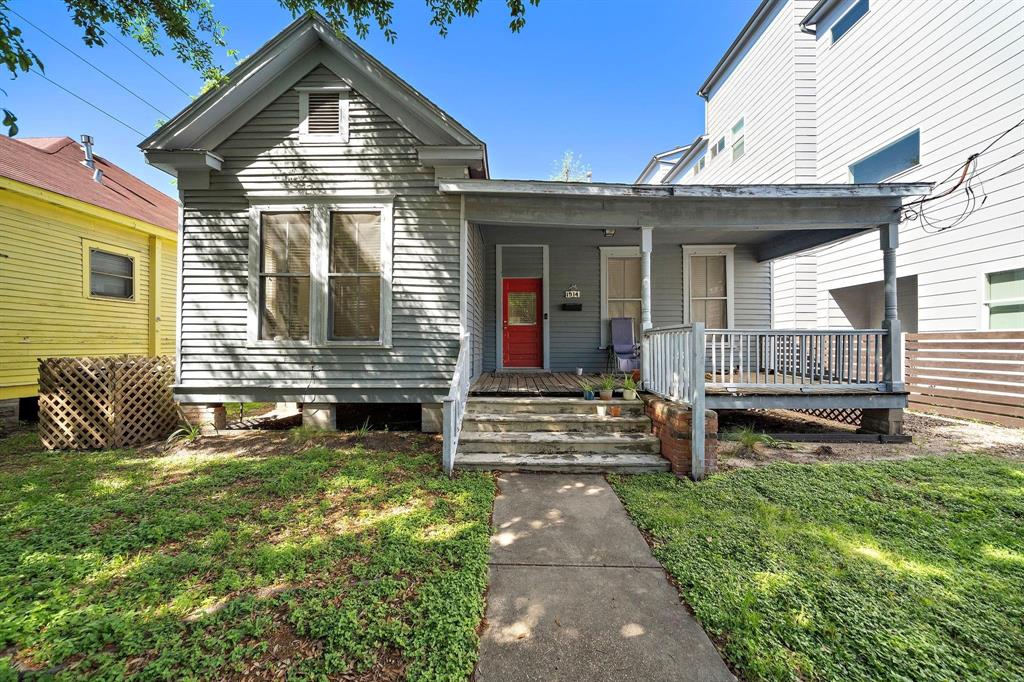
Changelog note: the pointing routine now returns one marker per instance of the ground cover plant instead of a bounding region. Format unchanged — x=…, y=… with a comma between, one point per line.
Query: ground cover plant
x=910, y=570
x=255, y=557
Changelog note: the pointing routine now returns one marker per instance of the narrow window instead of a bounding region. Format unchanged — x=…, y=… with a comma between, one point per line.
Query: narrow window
x=111, y=275
x=1004, y=299
x=699, y=166
x=354, y=277
x=284, y=276
x=897, y=157
x=846, y=22
x=708, y=277
x=323, y=116
x=738, y=147
x=718, y=147
x=624, y=291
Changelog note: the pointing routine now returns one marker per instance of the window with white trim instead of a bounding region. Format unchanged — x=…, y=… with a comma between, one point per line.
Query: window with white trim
x=708, y=281
x=1004, y=299
x=699, y=165
x=718, y=147
x=321, y=275
x=284, y=276
x=620, y=288
x=323, y=115
x=111, y=275
x=738, y=140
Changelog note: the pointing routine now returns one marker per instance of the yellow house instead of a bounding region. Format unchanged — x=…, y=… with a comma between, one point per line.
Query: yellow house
x=87, y=261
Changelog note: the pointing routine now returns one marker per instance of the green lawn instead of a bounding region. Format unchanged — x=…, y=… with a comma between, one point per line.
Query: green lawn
x=331, y=560
x=894, y=571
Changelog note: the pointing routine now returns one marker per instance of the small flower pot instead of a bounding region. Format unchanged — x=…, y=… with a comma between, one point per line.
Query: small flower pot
x=628, y=394
x=588, y=395
x=614, y=411
x=602, y=410
x=606, y=395
x=579, y=371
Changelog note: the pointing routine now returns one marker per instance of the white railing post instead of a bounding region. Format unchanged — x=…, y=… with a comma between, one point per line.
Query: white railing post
x=448, y=426
x=696, y=400
x=453, y=406
x=646, y=380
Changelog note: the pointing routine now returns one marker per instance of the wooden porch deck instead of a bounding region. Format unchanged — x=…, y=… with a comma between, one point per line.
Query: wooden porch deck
x=785, y=390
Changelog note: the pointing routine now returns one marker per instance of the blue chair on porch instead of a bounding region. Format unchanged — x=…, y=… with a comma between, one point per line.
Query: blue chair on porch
x=623, y=351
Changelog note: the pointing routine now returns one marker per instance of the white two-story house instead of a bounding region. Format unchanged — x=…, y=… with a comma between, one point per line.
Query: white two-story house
x=863, y=91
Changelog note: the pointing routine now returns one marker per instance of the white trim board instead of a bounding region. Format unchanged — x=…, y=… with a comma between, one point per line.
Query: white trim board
x=499, y=355
x=727, y=250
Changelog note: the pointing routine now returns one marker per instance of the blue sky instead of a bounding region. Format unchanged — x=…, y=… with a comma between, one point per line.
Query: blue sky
x=612, y=80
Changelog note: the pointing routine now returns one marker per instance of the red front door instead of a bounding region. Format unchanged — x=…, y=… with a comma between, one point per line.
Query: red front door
x=522, y=323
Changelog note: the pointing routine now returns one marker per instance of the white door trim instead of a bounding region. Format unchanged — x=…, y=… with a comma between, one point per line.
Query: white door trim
x=499, y=305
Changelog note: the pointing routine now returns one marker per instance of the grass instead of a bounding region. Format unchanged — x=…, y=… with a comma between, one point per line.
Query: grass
x=907, y=570
x=236, y=411
x=207, y=564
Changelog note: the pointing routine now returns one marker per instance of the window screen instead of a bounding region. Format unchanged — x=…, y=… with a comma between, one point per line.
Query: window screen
x=284, y=276
x=1004, y=297
x=899, y=156
x=846, y=22
x=709, y=296
x=111, y=275
x=624, y=290
x=324, y=113
x=354, y=279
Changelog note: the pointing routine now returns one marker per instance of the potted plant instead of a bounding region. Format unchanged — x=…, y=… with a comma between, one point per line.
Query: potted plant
x=607, y=385
x=588, y=390
x=614, y=411
x=628, y=388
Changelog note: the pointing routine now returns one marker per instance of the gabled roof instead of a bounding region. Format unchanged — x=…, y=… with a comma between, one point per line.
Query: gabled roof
x=275, y=68
x=666, y=157
x=746, y=35
x=696, y=147
x=55, y=164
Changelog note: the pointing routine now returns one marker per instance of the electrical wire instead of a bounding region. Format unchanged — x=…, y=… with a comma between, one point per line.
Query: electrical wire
x=144, y=61
x=94, y=67
x=82, y=99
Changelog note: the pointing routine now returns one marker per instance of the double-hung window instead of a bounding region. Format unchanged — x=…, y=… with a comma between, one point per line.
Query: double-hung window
x=699, y=165
x=1004, y=299
x=110, y=274
x=738, y=140
x=708, y=277
x=321, y=275
x=620, y=288
x=718, y=147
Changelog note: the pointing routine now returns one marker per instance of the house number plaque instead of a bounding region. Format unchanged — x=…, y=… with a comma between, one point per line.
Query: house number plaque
x=573, y=299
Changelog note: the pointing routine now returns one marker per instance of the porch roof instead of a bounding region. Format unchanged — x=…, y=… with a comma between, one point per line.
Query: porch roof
x=780, y=219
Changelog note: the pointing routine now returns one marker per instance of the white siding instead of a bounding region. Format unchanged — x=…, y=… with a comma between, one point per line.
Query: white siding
x=958, y=76
x=265, y=159
x=795, y=292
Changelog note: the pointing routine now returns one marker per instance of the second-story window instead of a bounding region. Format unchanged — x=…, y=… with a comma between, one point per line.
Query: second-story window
x=846, y=22
x=698, y=166
x=894, y=158
x=718, y=147
x=738, y=140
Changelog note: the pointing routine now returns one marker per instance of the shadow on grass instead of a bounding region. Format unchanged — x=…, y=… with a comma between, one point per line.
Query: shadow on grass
x=194, y=562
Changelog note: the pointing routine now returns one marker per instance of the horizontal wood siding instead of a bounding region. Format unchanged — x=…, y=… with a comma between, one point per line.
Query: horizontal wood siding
x=575, y=259
x=44, y=309
x=475, y=292
x=265, y=159
x=958, y=76
x=972, y=375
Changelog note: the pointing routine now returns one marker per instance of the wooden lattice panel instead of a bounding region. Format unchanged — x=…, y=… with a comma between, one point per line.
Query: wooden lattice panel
x=95, y=403
x=849, y=416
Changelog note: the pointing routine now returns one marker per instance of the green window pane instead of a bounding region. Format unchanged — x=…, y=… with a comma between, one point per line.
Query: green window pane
x=1006, y=316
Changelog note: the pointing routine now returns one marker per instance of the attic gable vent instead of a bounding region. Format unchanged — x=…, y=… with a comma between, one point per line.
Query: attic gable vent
x=323, y=115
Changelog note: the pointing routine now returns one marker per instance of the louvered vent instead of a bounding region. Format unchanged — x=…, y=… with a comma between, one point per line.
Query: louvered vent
x=324, y=113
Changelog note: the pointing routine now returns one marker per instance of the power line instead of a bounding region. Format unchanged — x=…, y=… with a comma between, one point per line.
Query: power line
x=79, y=97
x=94, y=67
x=144, y=61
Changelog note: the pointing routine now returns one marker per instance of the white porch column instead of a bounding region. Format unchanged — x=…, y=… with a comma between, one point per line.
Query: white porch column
x=892, y=360
x=645, y=281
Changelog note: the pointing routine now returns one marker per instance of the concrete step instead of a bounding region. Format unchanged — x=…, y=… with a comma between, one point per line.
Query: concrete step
x=497, y=405
x=560, y=443
x=562, y=423
x=561, y=463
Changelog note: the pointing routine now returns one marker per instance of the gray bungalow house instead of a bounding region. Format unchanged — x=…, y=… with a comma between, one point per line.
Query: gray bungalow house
x=342, y=242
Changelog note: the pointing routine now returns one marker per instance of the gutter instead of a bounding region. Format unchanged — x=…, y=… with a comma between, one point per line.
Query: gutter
x=820, y=9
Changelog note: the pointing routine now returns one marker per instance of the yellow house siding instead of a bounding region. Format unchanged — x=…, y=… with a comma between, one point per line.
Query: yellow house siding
x=45, y=309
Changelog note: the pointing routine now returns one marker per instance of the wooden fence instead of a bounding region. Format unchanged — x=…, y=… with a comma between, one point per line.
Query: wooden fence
x=96, y=403
x=972, y=375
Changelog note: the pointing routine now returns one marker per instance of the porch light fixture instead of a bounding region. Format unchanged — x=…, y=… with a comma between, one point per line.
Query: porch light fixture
x=608, y=232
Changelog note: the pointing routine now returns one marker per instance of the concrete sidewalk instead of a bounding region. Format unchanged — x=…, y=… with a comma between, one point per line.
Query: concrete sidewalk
x=575, y=593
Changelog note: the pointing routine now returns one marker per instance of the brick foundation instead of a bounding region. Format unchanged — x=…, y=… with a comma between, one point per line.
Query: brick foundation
x=672, y=426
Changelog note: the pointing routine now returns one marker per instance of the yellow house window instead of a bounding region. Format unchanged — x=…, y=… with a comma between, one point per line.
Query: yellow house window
x=109, y=272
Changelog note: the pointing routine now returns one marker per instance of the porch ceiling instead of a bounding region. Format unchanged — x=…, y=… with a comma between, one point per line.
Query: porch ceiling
x=777, y=219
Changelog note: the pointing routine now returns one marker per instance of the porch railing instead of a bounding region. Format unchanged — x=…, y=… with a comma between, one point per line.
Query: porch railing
x=454, y=405
x=750, y=358
x=673, y=368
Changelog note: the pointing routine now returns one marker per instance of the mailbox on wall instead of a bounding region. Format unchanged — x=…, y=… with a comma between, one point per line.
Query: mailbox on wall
x=573, y=299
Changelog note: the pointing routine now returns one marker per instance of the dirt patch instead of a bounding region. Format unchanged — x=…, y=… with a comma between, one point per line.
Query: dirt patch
x=932, y=436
